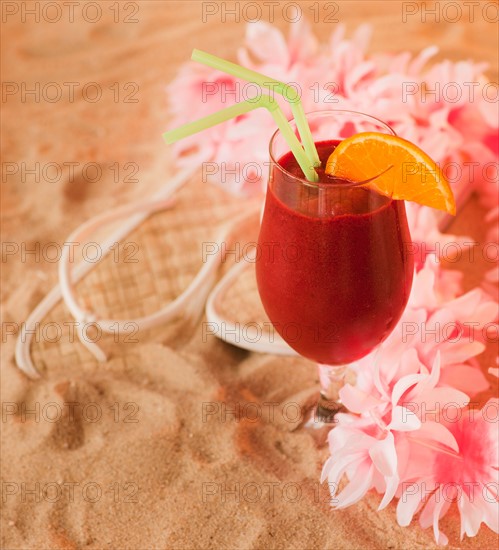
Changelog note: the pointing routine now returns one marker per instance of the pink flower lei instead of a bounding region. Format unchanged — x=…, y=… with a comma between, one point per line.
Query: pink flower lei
x=412, y=432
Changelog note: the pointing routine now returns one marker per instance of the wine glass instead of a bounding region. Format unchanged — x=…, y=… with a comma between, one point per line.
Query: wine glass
x=335, y=270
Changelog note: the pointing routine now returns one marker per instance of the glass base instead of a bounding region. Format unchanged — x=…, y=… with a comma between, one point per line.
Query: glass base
x=332, y=379
x=320, y=417
x=326, y=410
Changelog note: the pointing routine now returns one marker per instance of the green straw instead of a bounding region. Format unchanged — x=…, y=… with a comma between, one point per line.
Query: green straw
x=272, y=84
x=244, y=107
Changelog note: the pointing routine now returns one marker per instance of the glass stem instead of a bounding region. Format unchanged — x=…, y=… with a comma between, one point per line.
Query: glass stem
x=332, y=379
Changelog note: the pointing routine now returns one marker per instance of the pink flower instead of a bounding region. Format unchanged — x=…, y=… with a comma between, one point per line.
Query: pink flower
x=413, y=439
x=427, y=239
x=367, y=460
x=469, y=478
x=370, y=448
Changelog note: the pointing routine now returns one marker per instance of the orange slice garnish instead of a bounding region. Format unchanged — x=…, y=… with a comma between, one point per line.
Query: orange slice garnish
x=395, y=167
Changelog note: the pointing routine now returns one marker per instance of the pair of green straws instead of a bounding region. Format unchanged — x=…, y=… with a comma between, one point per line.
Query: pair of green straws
x=305, y=155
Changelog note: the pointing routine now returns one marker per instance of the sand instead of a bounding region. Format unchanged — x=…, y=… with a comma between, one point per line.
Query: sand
x=179, y=440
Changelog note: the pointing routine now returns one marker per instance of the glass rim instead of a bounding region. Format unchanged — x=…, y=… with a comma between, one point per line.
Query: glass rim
x=319, y=185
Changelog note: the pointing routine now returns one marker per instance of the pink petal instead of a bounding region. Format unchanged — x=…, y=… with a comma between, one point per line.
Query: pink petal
x=421, y=59
x=467, y=302
x=428, y=512
x=355, y=490
x=485, y=313
x=338, y=466
x=435, y=432
x=266, y=42
x=458, y=352
x=362, y=36
x=464, y=377
x=422, y=293
x=430, y=381
x=378, y=383
x=437, y=514
x=326, y=468
x=408, y=363
x=392, y=484
x=471, y=516
x=384, y=456
x=489, y=111
x=408, y=503
x=439, y=403
x=337, y=36
x=302, y=42
x=404, y=420
x=356, y=400
x=404, y=384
